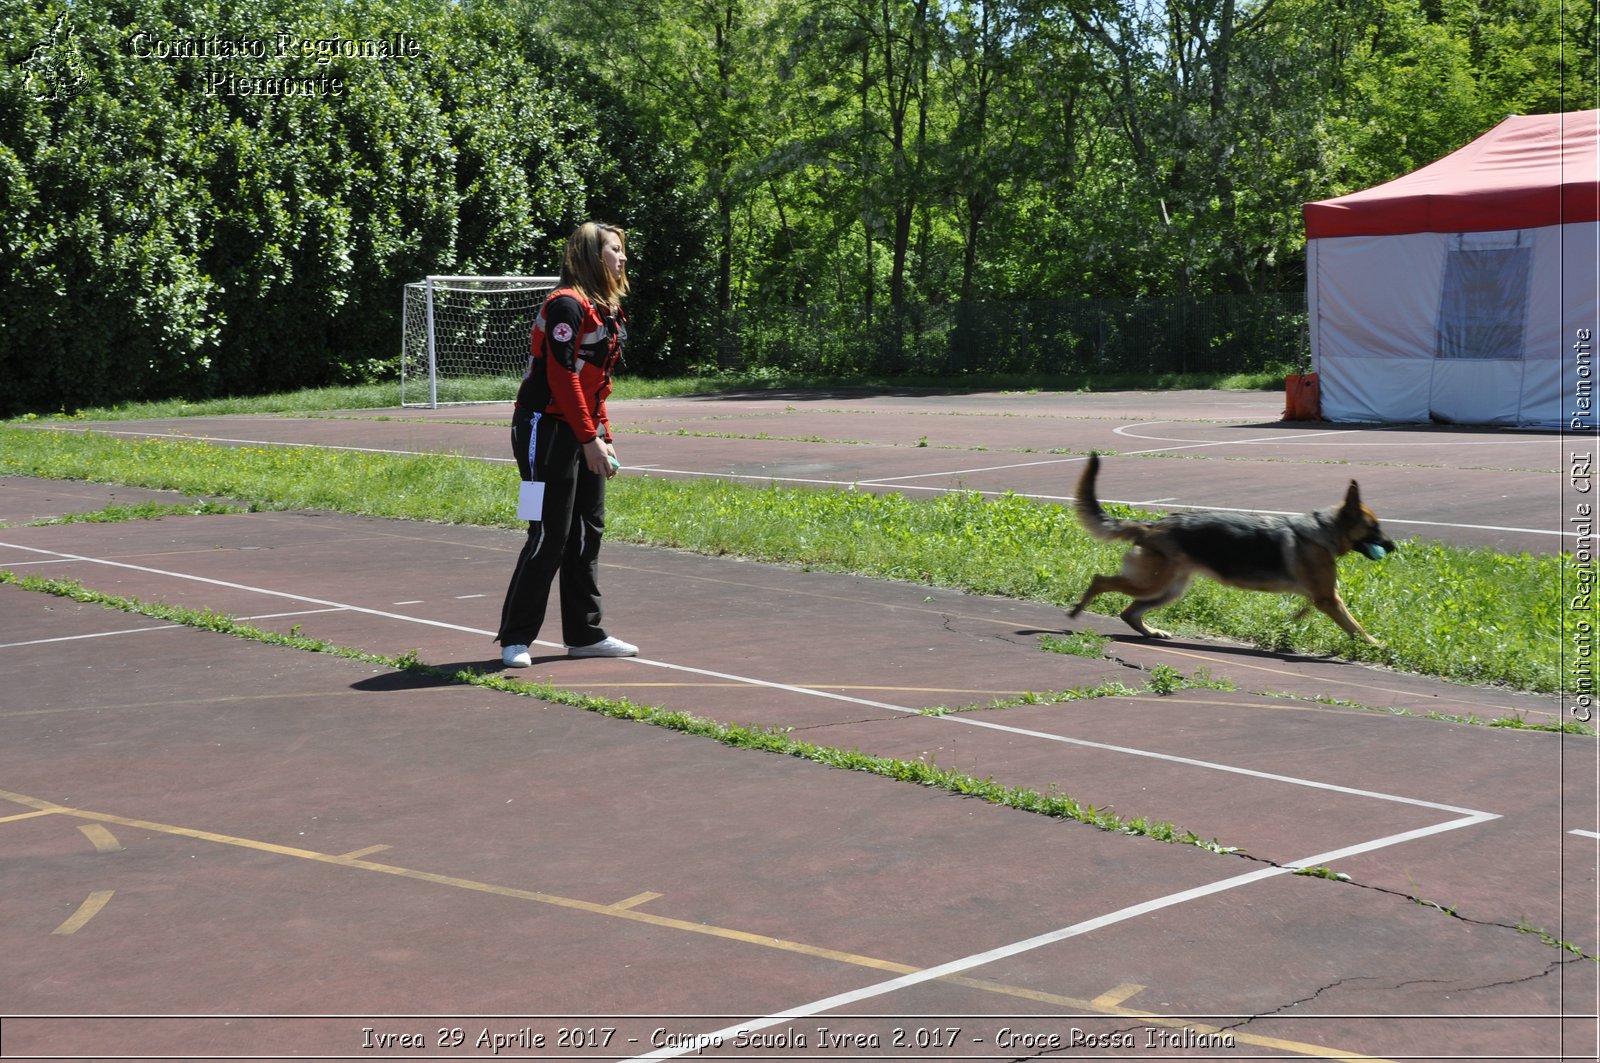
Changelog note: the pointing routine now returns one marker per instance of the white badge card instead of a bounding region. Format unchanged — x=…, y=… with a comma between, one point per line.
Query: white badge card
x=530, y=500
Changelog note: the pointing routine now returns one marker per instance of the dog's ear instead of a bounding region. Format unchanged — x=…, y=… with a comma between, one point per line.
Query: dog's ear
x=1352, y=497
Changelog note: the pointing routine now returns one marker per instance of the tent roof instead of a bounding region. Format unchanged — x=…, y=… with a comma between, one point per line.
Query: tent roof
x=1529, y=171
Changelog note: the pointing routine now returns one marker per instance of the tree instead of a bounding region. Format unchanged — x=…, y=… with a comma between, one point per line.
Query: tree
x=187, y=217
x=690, y=67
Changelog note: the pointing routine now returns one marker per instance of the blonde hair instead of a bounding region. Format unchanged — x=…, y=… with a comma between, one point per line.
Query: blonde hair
x=583, y=268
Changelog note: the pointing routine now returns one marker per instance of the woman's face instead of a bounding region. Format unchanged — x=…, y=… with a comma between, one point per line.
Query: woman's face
x=612, y=255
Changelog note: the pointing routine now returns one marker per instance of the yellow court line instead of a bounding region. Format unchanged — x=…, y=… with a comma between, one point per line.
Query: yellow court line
x=104, y=841
x=86, y=911
x=465, y=884
x=27, y=815
x=1229, y=662
x=634, y=901
x=623, y=910
x=1114, y=997
x=987, y=692
x=218, y=700
x=368, y=851
x=1300, y=1048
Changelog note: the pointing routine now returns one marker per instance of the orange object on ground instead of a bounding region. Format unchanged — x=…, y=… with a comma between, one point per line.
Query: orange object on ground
x=1304, y=397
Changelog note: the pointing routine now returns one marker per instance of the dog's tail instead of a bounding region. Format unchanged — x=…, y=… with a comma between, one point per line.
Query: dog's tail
x=1094, y=519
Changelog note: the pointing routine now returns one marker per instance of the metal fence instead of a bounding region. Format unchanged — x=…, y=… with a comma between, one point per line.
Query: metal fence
x=1204, y=334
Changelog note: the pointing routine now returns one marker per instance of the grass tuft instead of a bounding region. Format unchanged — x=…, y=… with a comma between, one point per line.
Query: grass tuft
x=1465, y=614
x=767, y=740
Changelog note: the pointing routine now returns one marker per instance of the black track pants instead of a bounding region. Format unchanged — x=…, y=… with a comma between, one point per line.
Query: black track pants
x=565, y=542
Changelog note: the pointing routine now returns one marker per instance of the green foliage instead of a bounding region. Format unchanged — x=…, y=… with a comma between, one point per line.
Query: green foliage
x=887, y=155
x=182, y=220
x=1472, y=615
x=1467, y=614
x=1143, y=338
x=943, y=188
x=1085, y=643
x=116, y=514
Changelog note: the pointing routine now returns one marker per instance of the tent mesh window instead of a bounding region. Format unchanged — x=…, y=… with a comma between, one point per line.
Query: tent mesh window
x=1484, y=305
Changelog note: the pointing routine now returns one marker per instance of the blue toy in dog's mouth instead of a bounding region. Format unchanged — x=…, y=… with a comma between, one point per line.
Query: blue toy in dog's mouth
x=1374, y=551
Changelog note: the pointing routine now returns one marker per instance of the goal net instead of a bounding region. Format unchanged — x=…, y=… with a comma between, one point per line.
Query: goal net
x=461, y=337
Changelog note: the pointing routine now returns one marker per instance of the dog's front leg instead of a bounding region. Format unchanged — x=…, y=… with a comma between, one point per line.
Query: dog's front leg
x=1335, y=608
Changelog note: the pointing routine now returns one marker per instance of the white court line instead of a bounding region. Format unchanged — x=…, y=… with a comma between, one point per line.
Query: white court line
x=188, y=438
x=297, y=612
x=158, y=627
x=1199, y=444
x=1023, y=732
x=93, y=635
x=888, y=481
x=894, y=482
x=1468, y=817
x=1016, y=948
x=768, y=684
x=891, y=482
x=1127, y=432
x=1584, y=833
x=334, y=606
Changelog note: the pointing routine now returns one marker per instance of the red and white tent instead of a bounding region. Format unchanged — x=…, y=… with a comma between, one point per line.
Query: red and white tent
x=1466, y=292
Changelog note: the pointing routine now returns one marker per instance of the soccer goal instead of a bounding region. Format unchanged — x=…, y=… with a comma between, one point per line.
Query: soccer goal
x=458, y=330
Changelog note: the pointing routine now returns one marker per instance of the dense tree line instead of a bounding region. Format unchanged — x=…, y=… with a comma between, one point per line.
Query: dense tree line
x=208, y=198
x=219, y=198
x=872, y=151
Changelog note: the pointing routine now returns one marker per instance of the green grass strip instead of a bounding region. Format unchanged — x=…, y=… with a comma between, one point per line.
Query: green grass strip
x=1470, y=615
x=116, y=514
x=1509, y=723
x=1164, y=680
x=1053, y=804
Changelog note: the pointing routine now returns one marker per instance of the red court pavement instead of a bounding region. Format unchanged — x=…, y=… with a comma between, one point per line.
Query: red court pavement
x=229, y=848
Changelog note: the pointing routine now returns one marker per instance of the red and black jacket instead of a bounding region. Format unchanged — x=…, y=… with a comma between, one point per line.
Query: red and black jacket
x=575, y=347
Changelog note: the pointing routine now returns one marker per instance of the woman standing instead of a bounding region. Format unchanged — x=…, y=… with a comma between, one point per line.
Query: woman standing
x=562, y=442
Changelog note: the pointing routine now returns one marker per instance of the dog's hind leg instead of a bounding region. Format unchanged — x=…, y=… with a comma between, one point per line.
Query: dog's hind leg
x=1097, y=586
x=1149, y=578
x=1134, y=613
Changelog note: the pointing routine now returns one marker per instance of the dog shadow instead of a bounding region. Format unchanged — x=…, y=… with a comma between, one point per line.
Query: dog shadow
x=1234, y=650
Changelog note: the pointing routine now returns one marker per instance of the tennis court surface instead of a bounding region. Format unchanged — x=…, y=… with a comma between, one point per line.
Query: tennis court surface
x=218, y=848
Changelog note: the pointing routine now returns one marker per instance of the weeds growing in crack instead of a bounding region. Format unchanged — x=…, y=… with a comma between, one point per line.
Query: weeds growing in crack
x=1513, y=721
x=1085, y=642
x=1524, y=927
x=1164, y=680
x=117, y=514
x=1521, y=926
x=1053, y=803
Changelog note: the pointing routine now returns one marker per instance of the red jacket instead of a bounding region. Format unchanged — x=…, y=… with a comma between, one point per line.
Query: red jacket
x=575, y=347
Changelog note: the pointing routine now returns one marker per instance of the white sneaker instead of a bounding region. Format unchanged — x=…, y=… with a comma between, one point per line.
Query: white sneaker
x=515, y=657
x=606, y=647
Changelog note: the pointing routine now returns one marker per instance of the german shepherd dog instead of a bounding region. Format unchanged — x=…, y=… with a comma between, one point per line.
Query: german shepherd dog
x=1295, y=554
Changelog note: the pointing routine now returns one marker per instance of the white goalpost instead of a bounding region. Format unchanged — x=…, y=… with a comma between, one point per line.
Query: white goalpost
x=454, y=329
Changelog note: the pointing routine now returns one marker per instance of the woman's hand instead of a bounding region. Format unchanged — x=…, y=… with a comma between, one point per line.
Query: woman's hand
x=599, y=456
